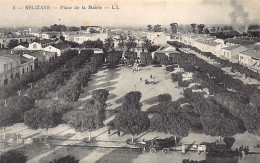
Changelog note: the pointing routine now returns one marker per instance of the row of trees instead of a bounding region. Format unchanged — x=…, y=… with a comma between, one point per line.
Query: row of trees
x=14, y=110
x=34, y=76
x=217, y=82
x=56, y=78
x=168, y=117
x=93, y=114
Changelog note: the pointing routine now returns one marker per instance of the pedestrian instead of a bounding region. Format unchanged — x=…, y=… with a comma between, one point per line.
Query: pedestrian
x=246, y=150
x=151, y=76
x=141, y=79
x=240, y=150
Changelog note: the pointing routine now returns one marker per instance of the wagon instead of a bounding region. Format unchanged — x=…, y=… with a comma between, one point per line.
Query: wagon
x=155, y=145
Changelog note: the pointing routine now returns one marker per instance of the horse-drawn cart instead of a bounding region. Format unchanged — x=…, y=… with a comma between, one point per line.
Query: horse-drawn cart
x=155, y=145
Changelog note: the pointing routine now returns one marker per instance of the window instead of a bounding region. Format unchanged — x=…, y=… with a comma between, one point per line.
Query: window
x=31, y=67
x=17, y=64
x=34, y=46
x=11, y=65
x=23, y=71
x=27, y=69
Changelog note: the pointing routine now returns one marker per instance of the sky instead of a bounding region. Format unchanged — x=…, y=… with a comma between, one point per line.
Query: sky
x=130, y=13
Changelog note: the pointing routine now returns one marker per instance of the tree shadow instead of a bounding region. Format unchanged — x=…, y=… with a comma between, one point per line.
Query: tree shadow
x=120, y=155
x=110, y=88
x=120, y=100
x=151, y=101
x=105, y=84
x=111, y=96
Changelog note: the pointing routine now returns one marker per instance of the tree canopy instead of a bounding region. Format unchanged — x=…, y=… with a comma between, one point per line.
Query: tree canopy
x=42, y=118
x=171, y=120
x=13, y=156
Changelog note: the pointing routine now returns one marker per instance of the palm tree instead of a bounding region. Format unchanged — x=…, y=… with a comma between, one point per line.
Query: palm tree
x=157, y=28
x=121, y=44
x=131, y=44
x=150, y=27
x=147, y=44
x=174, y=27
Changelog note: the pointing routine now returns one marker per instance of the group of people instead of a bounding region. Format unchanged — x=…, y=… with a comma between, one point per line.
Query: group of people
x=151, y=76
x=242, y=151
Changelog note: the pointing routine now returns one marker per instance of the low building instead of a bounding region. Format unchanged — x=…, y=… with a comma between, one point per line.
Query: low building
x=232, y=52
x=250, y=58
x=59, y=48
x=12, y=66
x=167, y=50
x=40, y=44
x=238, y=41
x=93, y=37
x=50, y=35
x=4, y=41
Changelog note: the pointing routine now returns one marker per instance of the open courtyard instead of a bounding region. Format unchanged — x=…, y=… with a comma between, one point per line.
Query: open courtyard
x=110, y=147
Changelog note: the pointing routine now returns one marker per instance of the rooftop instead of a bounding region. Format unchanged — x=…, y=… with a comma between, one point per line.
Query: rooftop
x=44, y=41
x=239, y=41
x=230, y=48
x=252, y=53
x=61, y=46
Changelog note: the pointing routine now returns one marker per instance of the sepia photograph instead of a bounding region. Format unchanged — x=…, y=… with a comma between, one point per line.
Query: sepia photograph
x=129, y=81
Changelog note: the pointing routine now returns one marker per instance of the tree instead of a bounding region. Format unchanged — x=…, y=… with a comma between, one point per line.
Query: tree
x=113, y=58
x=100, y=95
x=21, y=104
x=206, y=31
x=12, y=44
x=148, y=46
x=109, y=44
x=216, y=124
x=193, y=28
x=92, y=44
x=93, y=114
x=149, y=27
x=70, y=92
x=72, y=28
x=171, y=120
x=146, y=58
x=132, y=122
x=164, y=98
x=84, y=76
x=66, y=159
x=130, y=57
x=13, y=156
x=43, y=118
x=7, y=118
x=37, y=92
x=133, y=97
x=174, y=27
x=122, y=42
x=157, y=28
x=83, y=121
x=131, y=44
x=62, y=38
x=200, y=28
x=213, y=29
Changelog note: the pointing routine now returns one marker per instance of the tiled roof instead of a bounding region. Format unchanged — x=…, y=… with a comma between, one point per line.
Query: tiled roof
x=44, y=41
x=61, y=46
x=252, y=53
x=232, y=47
x=240, y=41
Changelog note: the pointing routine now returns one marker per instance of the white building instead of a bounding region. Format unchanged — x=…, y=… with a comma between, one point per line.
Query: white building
x=59, y=48
x=93, y=37
x=232, y=52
